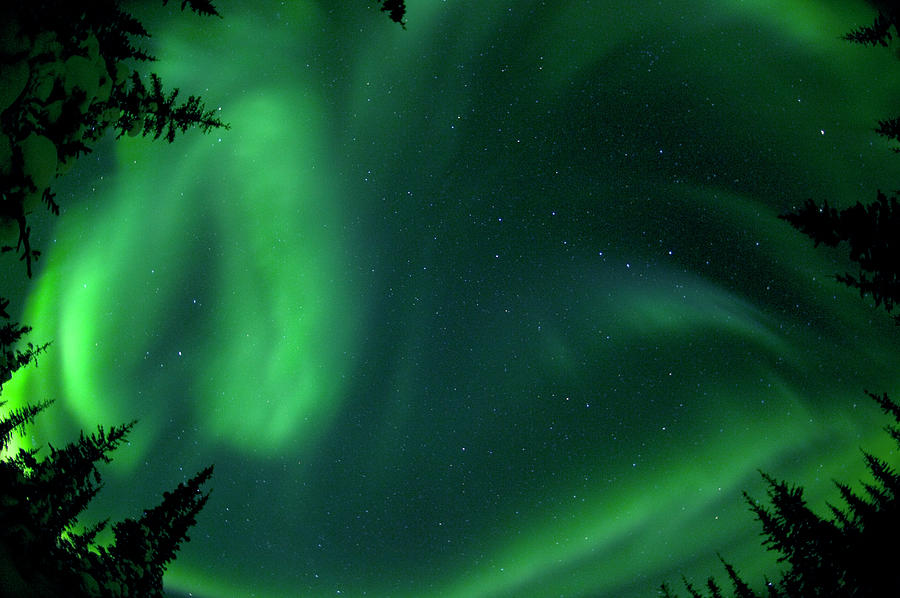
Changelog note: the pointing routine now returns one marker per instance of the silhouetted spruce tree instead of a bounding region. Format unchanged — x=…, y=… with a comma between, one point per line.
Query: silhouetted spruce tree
x=396, y=10
x=879, y=32
x=40, y=500
x=873, y=233
x=12, y=357
x=41, y=556
x=66, y=80
x=851, y=554
x=64, y=83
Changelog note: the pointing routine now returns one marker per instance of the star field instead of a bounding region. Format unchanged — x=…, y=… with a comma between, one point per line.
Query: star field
x=495, y=306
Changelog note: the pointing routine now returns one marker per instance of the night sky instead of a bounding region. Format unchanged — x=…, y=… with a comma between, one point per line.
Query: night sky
x=497, y=306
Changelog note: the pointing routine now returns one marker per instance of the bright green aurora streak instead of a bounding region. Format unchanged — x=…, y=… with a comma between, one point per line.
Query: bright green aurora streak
x=497, y=306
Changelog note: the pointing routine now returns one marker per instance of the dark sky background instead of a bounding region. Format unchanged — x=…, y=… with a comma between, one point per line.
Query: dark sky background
x=497, y=306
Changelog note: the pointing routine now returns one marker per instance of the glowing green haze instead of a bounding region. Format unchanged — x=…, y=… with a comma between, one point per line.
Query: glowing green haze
x=497, y=306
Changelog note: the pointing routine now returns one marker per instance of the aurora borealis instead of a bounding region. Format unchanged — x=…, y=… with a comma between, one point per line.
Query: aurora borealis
x=496, y=306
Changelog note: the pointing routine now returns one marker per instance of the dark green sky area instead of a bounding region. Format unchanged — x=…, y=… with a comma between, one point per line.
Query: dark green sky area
x=498, y=306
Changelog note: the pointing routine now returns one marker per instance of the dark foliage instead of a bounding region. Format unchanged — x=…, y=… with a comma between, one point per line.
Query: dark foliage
x=396, y=10
x=879, y=32
x=849, y=554
x=157, y=535
x=873, y=233
x=201, y=7
x=47, y=36
x=152, y=112
x=845, y=556
x=41, y=499
x=13, y=358
x=77, y=85
x=66, y=83
x=873, y=230
x=890, y=128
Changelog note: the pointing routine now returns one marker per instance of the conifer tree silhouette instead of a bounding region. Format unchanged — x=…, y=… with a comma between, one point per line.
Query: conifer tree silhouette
x=873, y=230
x=849, y=554
x=12, y=357
x=66, y=83
x=41, y=500
x=879, y=32
x=41, y=555
x=873, y=233
x=64, y=86
x=396, y=10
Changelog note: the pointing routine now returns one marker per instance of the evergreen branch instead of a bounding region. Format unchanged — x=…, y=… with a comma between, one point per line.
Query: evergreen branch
x=201, y=7
x=878, y=33
x=16, y=420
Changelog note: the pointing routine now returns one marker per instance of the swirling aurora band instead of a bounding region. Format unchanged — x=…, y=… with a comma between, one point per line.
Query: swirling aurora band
x=495, y=306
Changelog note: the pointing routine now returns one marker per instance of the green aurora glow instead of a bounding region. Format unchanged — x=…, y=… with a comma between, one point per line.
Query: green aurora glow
x=497, y=306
